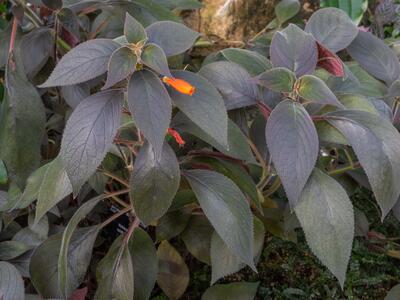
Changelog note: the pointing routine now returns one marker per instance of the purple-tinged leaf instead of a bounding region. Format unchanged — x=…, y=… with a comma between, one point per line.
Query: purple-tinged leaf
x=11, y=283
x=89, y=134
x=133, y=30
x=87, y=61
x=375, y=57
x=295, y=155
x=172, y=37
x=233, y=82
x=330, y=61
x=376, y=143
x=154, y=57
x=150, y=106
x=326, y=216
x=277, y=80
x=295, y=50
x=122, y=63
x=332, y=27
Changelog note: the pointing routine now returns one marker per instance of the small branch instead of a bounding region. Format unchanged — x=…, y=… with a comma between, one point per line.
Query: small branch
x=265, y=109
x=350, y=167
x=131, y=229
x=115, y=216
x=116, y=178
x=13, y=35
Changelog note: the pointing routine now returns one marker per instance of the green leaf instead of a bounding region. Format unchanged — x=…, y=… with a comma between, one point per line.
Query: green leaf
x=357, y=102
x=205, y=108
x=43, y=267
x=133, y=30
x=237, y=141
x=329, y=134
x=145, y=264
x=154, y=57
x=54, y=187
x=12, y=249
x=314, y=89
x=22, y=122
x=150, y=106
x=369, y=86
x=197, y=238
x=172, y=224
x=3, y=173
x=69, y=282
x=332, y=27
x=277, y=80
x=11, y=283
x=223, y=262
x=219, y=196
x=286, y=9
x=122, y=63
x=374, y=139
x=237, y=290
x=252, y=61
x=89, y=134
x=114, y=274
x=326, y=216
x=84, y=62
x=294, y=156
x=154, y=182
x=173, y=274
x=172, y=37
x=355, y=9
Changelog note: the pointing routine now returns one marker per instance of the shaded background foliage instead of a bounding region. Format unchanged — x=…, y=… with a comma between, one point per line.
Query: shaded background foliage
x=32, y=233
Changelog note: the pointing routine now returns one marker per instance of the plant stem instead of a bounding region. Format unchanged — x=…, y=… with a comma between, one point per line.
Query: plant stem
x=116, y=178
x=131, y=228
x=350, y=167
x=115, y=216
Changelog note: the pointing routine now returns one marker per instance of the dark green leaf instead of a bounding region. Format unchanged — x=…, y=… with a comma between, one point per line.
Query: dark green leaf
x=89, y=134
x=12, y=249
x=133, y=30
x=151, y=107
x=294, y=156
x=237, y=290
x=326, y=216
x=86, y=61
x=355, y=9
x=205, y=108
x=219, y=196
x=122, y=63
x=286, y=9
x=252, y=61
x=3, y=173
x=172, y=224
x=277, y=79
x=154, y=57
x=173, y=274
x=154, y=182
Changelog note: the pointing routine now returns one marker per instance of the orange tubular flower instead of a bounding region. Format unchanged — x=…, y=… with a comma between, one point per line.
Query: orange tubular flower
x=180, y=85
x=176, y=136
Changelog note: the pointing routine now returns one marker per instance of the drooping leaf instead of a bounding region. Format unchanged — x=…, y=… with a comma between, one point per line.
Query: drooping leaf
x=236, y=290
x=43, y=267
x=54, y=187
x=326, y=216
x=173, y=38
x=332, y=27
x=173, y=274
x=295, y=50
x=86, y=61
x=286, y=9
x=355, y=9
x=237, y=145
x=375, y=142
x=205, y=108
x=223, y=262
x=11, y=283
x=252, y=61
x=277, y=79
x=154, y=57
x=89, y=134
x=145, y=264
x=375, y=57
x=219, y=196
x=114, y=273
x=315, y=89
x=233, y=82
x=150, y=106
x=22, y=122
x=39, y=43
x=154, y=182
x=197, y=238
x=69, y=282
x=133, y=30
x=122, y=63
x=294, y=156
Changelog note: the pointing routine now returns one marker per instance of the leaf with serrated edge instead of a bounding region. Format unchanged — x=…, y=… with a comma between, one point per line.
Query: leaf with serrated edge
x=85, y=62
x=89, y=134
x=326, y=216
x=294, y=156
x=219, y=196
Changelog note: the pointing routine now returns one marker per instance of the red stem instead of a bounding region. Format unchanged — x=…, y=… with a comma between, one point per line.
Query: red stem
x=13, y=35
